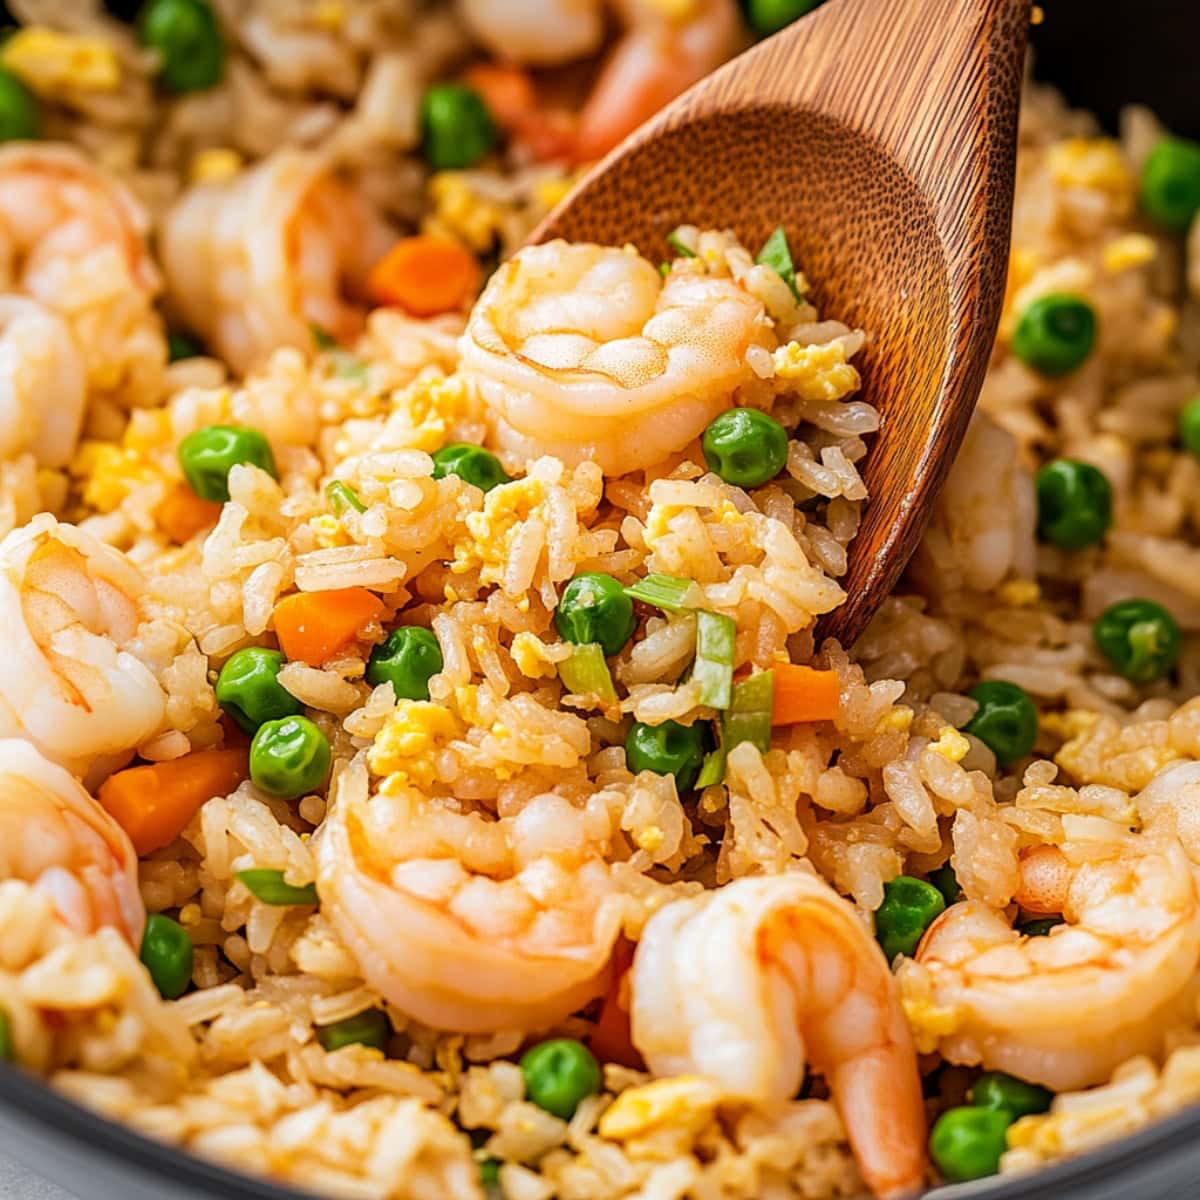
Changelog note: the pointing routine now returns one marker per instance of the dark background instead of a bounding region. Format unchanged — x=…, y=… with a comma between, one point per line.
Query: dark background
x=1106, y=53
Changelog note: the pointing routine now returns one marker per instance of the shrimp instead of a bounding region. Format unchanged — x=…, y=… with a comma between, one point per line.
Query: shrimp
x=253, y=263
x=69, y=606
x=43, y=389
x=664, y=49
x=745, y=983
x=1065, y=1009
x=73, y=239
x=464, y=923
x=587, y=353
x=54, y=836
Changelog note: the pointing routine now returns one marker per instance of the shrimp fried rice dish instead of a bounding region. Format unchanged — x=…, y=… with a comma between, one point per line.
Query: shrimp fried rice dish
x=421, y=774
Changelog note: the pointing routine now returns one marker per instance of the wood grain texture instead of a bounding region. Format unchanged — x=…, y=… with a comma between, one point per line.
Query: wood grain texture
x=883, y=136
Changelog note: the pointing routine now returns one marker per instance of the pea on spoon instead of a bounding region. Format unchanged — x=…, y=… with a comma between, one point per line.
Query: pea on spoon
x=883, y=137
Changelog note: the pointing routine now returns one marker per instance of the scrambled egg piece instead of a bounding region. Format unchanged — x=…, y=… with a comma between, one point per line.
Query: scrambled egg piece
x=49, y=61
x=110, y=473
x=329, y=14
x=1069, y=724
x=328, y=531
x=951, y=745
x=899, y=718
x=548, y=192
x=930, y=1022
x=1020, y=593
x=492, y=531
x=215, y=165
x=1130, y=250
x=684, y=1101
x=816, y=372
x=461, y=213
x=1094, y=163
x=405, y=750
x=424, y=411
x=534, y=658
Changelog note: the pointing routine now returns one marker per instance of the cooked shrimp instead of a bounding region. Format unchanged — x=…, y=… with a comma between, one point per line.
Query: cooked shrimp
x=468, y=924
x=587, y=353
x=54, y=836
x=748, y=982
x=663, y=50
x=42, y=385
x=255, y=262
x=1065, y=1009
x=72, y=238
x=69, y=606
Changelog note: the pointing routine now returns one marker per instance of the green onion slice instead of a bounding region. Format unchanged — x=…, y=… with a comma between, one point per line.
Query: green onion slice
x=586, y=673
x=322, y=338
x=679, y=245
x=712, y=770
x=777, y=255
x=268, y=886
x=748, y=718
x=8, y=1050
x=342, y=496
x=663, y=591
x=715, y=636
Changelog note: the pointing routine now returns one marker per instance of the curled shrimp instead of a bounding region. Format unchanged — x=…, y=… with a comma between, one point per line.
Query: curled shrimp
x=748, y=982
x=253, y=263
x=469, y=924
x=1066, y=1008
x=42, y=384
x=69, y=607
x=586, y=353
x=73, y=239
x=661, y=52
x=54, y=836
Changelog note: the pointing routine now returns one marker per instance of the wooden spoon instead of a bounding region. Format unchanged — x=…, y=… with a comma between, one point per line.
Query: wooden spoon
x=882, y=135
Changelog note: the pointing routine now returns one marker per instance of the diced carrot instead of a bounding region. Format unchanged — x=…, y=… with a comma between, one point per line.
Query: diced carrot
x=611, y=1040
x=182, y=514
x=425, y=275
x=803, y=694
x=313, y=626
x=153, y=803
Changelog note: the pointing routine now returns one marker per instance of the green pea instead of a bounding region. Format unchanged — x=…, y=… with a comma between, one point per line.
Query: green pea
x=289, y=757
x=745, y=447
x=1006, y=721
x=208, y=455
x=667, y=749
x=946, y=882
x=966, y=1143
x=457, y=128
x=167, y=954
x=769, y=16
x=908, y=909
x=559, y=1074
x=369, y=1028
x=8, y=1049
x=1140, y=638
x=471, y=463
x=188, y=40
x=1189, y=426
x=1171, y=183
x=268, y=885
x=1055, y=334
x=408, y=658
x=1007, y=1093
x=20, y=117
x=1074, y=502
x=180, y=346
x=595, y=608
x=1039, y=927
x=248, y=688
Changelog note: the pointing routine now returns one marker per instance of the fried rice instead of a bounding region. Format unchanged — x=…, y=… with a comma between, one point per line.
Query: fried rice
x=503, y=802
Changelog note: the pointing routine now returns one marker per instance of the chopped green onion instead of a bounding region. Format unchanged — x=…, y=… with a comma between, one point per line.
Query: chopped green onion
x=712, y=770
x=777, y=254
x=322, y=338
x=715, y=636
x=586, y=673
x=349, y=366
x=268, y=886
x=748, y=718
x=663, y=591
x=679, y=245
x=8, y=1050
x=664, y=269
x=342, y=496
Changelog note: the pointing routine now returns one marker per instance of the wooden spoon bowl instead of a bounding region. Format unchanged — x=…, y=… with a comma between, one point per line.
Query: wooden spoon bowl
x=883, y=137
